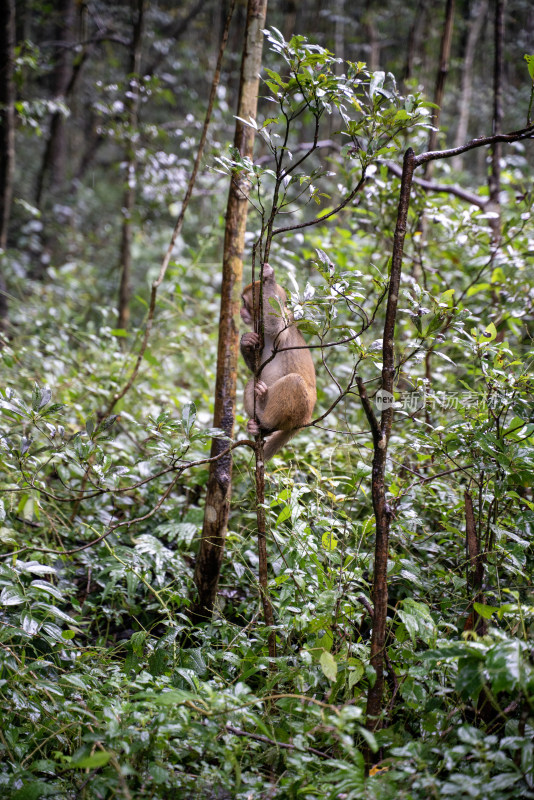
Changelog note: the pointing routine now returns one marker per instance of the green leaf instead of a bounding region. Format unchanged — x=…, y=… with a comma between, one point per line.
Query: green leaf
x=417, y=620
x=356, y=672
x=7, y=535
x=283, y=515
x=447, y=297
x=108, y=422
x=328, y=665
x=478, y=287
x=36, y=569
x=46, y=394
x=52, y=409
x=151, y=359
x=328, y=541
x=470, y=678
x=175, y=697
x=489, y=334
x=377, y=81
x=11, y=597
x=530, y=65
x=157, y=662
x=485, y=611
x=504, y=666
x=35, y=790
x=36, y=397
x=96, y=760
x=189, y=413
x=49, y=588
x=137, y=642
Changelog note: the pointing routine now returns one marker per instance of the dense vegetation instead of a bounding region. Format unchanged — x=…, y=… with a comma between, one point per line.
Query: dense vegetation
x=107, y=690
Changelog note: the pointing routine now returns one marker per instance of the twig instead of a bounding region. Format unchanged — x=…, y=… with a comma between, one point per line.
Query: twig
x=258, y=737
x=334, y=211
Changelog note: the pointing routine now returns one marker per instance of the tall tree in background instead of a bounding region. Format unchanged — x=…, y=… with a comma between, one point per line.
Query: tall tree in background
x=496, y=150
x=443, y=71
x=217, y=507
x=54, y=158
x=479, y=13
x=132, y=107
x=7, y=134
x=414, y=38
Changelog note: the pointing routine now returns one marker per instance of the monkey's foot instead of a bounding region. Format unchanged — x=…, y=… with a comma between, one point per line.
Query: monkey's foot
x=260, y=389
x=252, y=427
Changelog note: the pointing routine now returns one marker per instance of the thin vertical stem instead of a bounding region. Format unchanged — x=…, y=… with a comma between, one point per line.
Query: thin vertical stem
x=381, y=434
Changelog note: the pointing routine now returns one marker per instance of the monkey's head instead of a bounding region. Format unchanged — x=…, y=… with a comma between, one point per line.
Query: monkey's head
x=273, y=316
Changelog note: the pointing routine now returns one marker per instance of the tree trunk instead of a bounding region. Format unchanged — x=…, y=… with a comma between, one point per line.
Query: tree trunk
x=339, y=35
x=7, y=137
x=495, y=171
x=478, y=19
x=414, y=39
x=65, y=77
x=208, y=564
x=381, y=432
x=54, y=155
x=132, y=105
x=476, y=559
x=373, y=39
x=444, y=55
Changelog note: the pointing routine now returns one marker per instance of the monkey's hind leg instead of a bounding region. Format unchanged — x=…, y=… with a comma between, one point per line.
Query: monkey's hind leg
x=287, y=405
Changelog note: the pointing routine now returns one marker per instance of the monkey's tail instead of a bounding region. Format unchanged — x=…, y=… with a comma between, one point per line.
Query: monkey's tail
x=275, y=442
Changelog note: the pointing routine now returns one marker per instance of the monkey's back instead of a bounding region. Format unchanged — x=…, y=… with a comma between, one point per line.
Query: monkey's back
x=295, y=360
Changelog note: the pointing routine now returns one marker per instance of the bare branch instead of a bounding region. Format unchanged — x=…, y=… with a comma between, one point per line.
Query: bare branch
x=258, y=737
x=444, y=188
x=514, y=136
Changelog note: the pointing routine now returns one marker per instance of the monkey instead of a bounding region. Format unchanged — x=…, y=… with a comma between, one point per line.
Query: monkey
x=285, y=388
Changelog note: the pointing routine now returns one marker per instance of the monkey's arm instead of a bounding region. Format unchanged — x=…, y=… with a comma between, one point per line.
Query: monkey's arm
x=250, y=343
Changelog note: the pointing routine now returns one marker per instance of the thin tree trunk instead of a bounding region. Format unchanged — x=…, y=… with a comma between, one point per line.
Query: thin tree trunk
x=209, y=560
x=125, y=263
x=496, y=150
x=339, y=34
x=478, y=19
x=476, y=561
x=64, y=80
x=381, y=432
x=289, y=10
x=414, y=39
x=268, y=614
x=55, y=151
x=373, y=40
x=7, y=137
x=444, y=56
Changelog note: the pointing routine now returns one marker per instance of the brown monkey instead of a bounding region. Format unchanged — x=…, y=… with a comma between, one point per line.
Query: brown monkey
x=285, y=389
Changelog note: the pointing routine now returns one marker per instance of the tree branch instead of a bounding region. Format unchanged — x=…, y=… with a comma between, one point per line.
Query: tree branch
x=514, y=136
